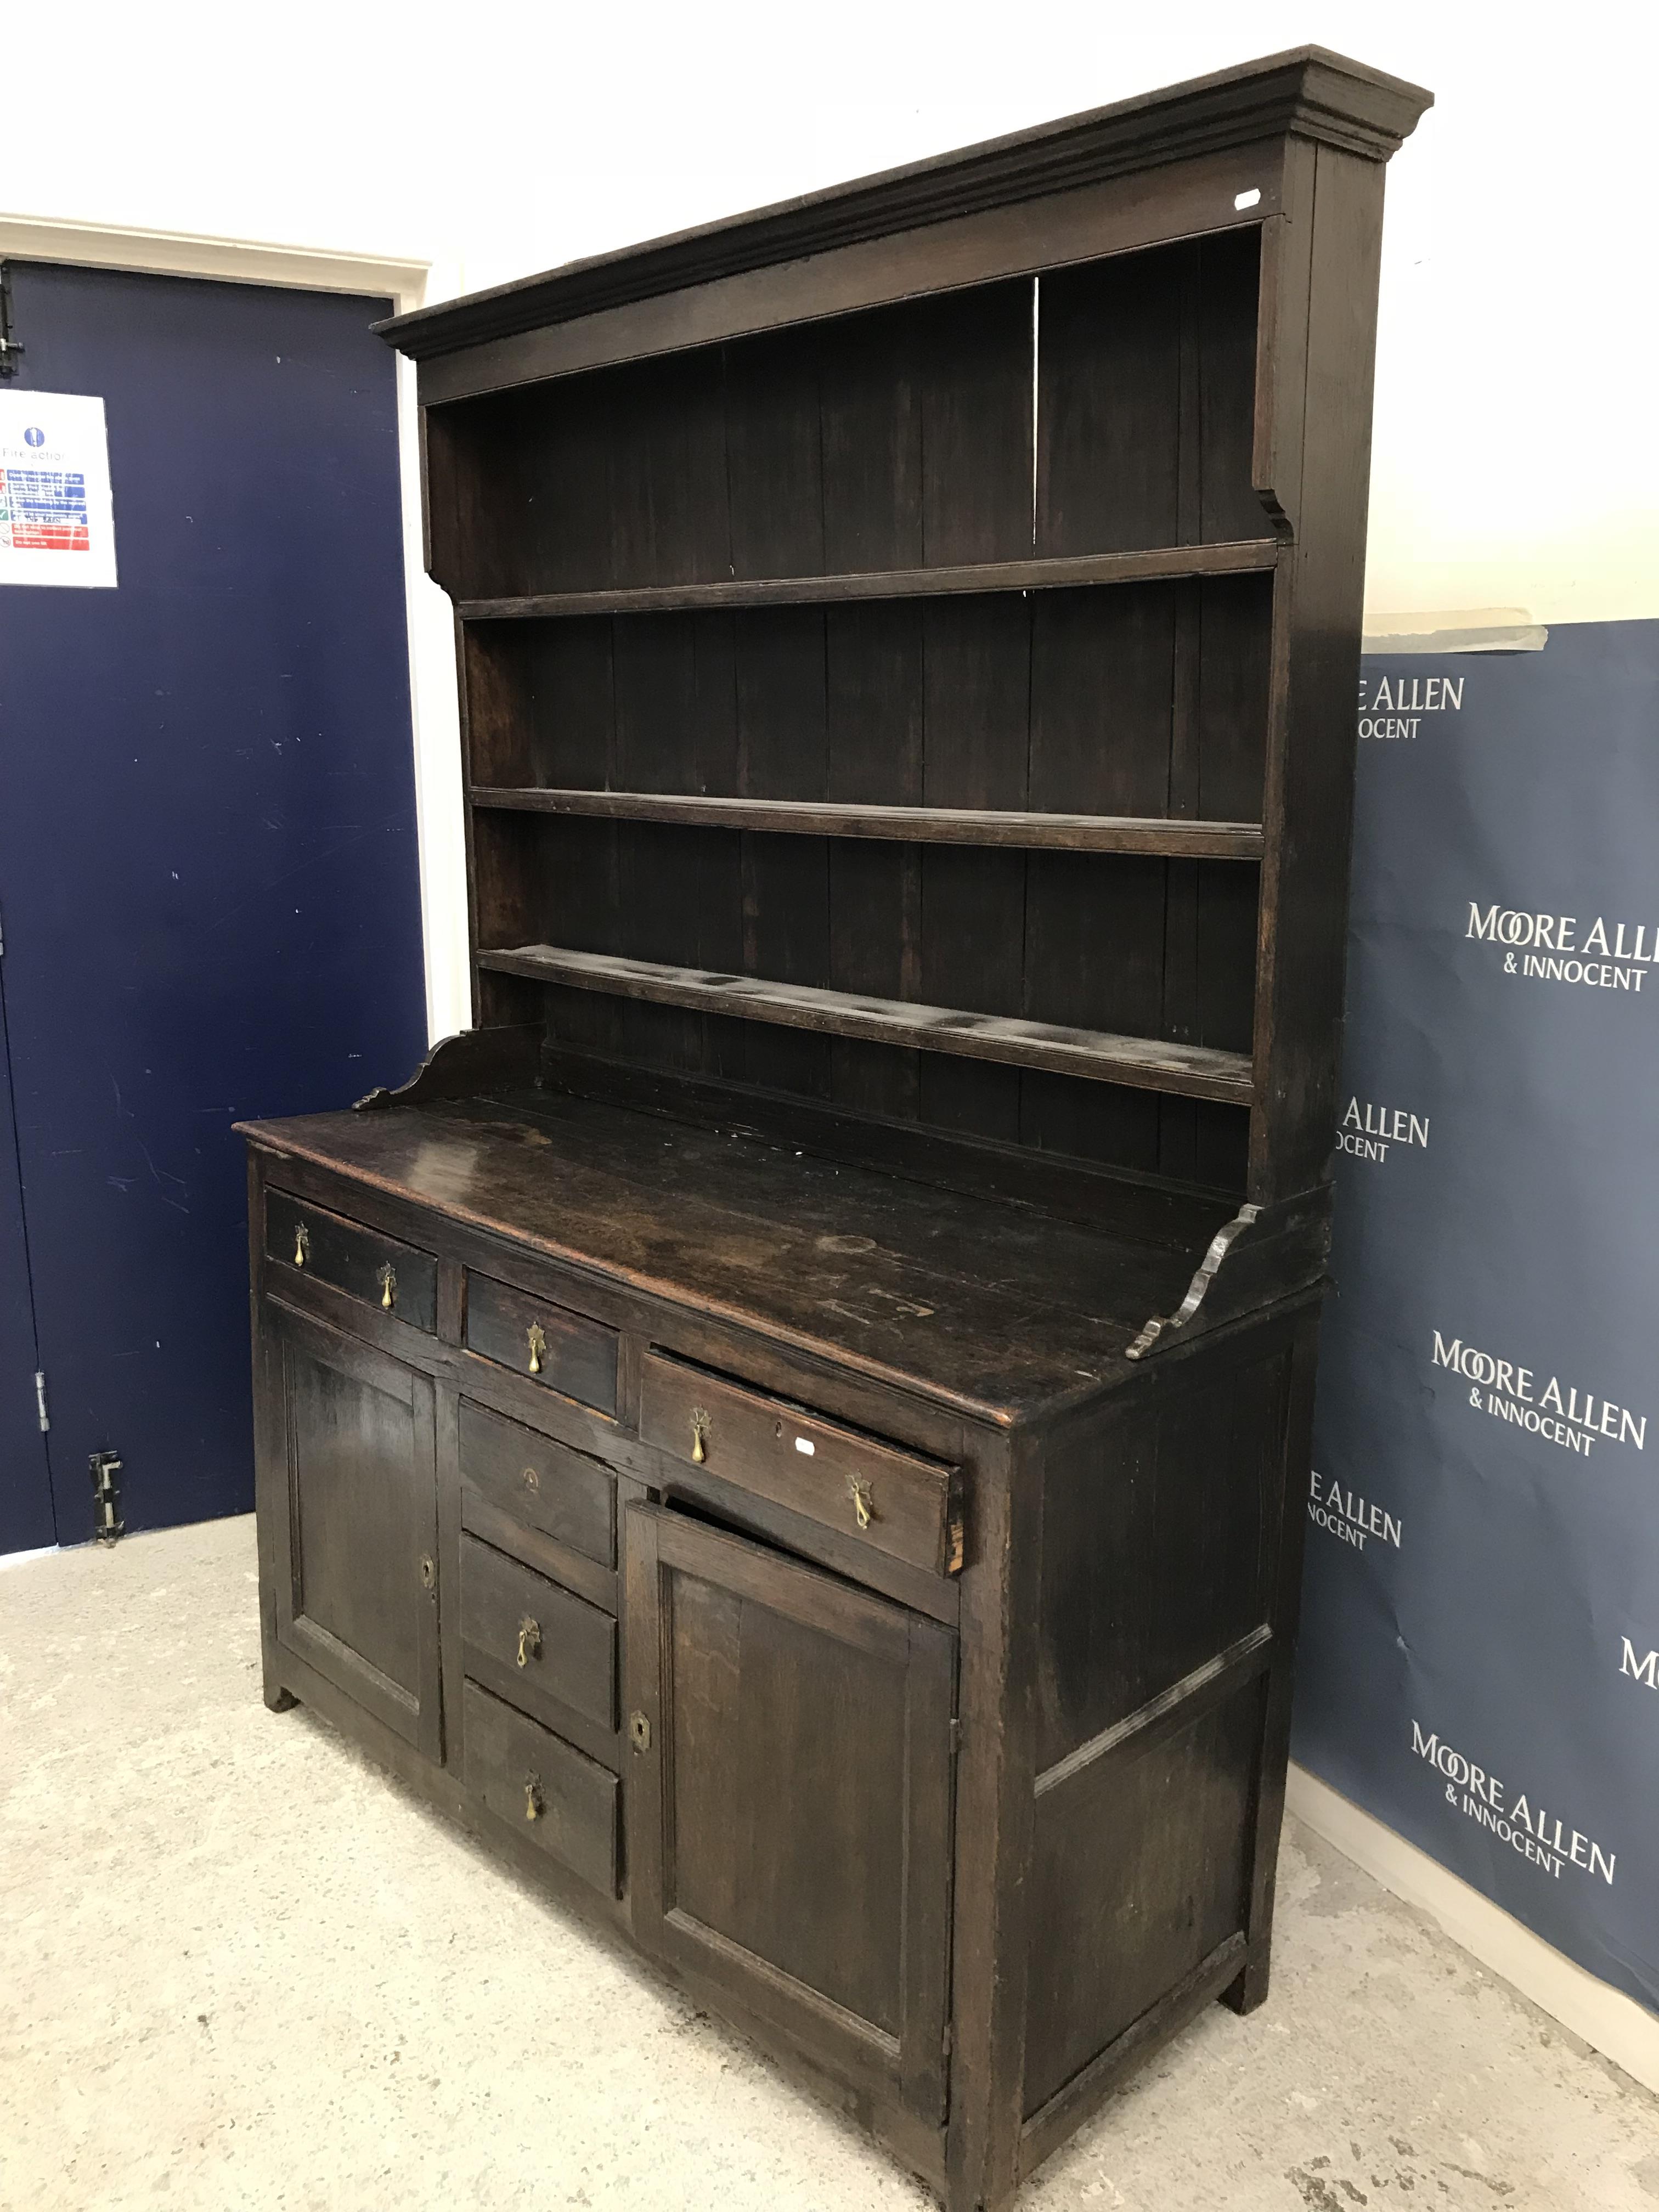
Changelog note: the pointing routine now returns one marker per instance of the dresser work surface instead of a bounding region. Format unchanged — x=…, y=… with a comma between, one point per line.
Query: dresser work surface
x=994, y=1307
x=793, y=1426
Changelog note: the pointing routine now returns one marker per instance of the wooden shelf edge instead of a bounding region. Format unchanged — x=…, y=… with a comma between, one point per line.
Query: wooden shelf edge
x=1239, y=557
x=925, y=825
x=1141, y=1063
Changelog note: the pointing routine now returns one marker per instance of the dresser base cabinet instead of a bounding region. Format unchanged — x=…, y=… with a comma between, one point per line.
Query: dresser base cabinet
x=794, y=1425
x=962, y=1841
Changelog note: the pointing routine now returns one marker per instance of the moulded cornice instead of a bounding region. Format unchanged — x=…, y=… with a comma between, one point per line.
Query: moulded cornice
x=1308, y=93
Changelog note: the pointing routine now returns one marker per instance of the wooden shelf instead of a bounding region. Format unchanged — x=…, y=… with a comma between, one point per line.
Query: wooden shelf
x=920, y=825
x=1154, y=564
x=1144, y=1063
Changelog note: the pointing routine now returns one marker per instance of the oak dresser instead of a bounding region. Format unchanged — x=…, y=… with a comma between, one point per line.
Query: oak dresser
x=792, y=1426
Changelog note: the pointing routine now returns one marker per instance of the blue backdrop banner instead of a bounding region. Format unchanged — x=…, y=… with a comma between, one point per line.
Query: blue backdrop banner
x=1479, y=1656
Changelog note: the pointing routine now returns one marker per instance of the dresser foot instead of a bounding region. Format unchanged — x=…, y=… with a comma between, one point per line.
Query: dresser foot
x=1248, y=1988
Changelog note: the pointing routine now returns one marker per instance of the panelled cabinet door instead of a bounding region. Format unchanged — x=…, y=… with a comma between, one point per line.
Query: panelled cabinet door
x=789, y=1782
x=348, y=1441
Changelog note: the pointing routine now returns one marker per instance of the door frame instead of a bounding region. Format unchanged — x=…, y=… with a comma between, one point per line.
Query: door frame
x=434, y=706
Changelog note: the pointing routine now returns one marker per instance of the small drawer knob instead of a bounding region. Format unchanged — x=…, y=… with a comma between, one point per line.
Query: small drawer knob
x=530, y=1640
x=302, y=1243
x=388, y=1280
x=534, y=1803
x=536, y=1338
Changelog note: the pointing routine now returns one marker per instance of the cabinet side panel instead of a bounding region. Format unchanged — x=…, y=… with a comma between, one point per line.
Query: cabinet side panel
x=1158, y=1525
x=1309, y=805
x=1140, y=1872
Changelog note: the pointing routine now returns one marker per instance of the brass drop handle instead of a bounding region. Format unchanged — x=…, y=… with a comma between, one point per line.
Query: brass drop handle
x=864, y=1505
x=530, y=1640
x=388, y=1280
x=302, y=1243
x=534, y=1803
x=699, y=1436
x=536, y=1338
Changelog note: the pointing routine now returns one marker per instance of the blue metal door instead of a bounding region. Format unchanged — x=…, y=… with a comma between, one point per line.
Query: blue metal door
x=208, y=863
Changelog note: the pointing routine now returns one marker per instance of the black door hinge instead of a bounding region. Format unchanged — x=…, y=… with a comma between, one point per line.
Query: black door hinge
x=11, y=352
x=104, y=1467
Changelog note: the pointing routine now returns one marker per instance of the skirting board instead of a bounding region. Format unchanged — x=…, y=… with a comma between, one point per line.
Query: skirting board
x=1612, y=2023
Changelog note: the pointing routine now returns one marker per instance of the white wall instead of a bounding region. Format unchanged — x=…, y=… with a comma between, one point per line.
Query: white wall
x=1514, y=465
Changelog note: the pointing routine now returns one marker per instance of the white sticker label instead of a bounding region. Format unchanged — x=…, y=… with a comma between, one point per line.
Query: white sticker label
x=805, y=1444
x=56, y=522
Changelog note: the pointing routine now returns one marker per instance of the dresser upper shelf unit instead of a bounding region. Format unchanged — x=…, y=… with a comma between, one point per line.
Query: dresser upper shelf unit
x=944, y=594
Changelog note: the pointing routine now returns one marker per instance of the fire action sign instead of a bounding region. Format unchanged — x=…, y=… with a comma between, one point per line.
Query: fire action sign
x=57, y=521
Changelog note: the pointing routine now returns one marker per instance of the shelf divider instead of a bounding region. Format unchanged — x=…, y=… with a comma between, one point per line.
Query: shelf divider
x=1238, y=556
x=1143, y=1063
x=921, y=825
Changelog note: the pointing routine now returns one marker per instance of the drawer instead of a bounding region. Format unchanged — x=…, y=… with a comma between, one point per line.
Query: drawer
x=898, y=1502
x=363, y=1262
x=560, y=1801
x=541, y=1482
x=532, y=1642
x=565, y=1351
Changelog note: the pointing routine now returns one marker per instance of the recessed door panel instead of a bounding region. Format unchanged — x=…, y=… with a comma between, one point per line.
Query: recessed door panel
x=790, y=1797
x=357, y=1520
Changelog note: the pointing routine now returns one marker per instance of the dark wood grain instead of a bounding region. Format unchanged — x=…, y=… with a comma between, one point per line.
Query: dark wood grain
x=793, y=1797
x=1107, y=1859
x=991, y=1307
x=1310, y=779
x=540, y=1481
x=1308, y=92
x=941, y=579
x=1144, y=1063
x=381, y=1270
x=537, y=1646
x=906, y=643
x=356, y=1580
x=556, y=1348
x=1173, y=1507
x=513, y=1765
x=904, y=824
x=908, y=1508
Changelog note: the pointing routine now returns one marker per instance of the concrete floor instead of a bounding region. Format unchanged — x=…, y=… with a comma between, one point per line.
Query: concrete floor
x=239, y=1968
